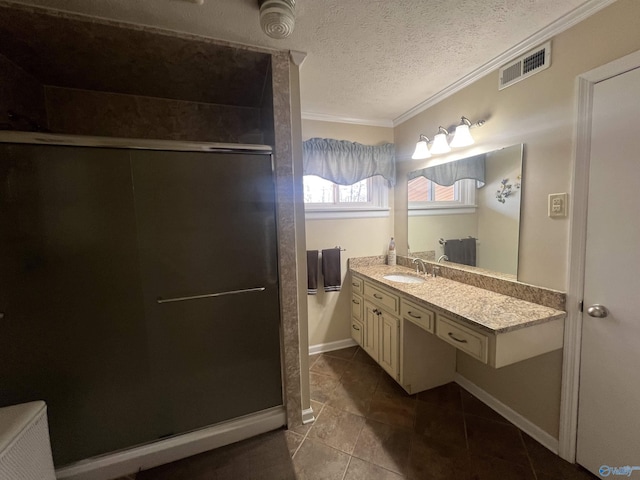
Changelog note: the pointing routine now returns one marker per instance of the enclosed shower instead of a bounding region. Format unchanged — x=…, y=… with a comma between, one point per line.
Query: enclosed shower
x=138, y=287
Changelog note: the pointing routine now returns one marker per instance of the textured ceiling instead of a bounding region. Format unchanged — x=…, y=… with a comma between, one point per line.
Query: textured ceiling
x=367, y=59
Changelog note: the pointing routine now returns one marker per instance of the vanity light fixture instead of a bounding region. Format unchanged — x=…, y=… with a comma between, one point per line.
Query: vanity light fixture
x=440, y=144
x=461, y=138
x=422, y=150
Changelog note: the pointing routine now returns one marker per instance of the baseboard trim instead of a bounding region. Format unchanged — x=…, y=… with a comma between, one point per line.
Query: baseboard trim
x=307, y=416
x=114, y=465
x=514, y=417
x=329, y=347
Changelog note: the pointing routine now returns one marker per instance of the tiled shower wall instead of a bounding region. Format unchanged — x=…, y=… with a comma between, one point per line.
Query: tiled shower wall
x=20, y=93
x=85, y=112
x=88, y=80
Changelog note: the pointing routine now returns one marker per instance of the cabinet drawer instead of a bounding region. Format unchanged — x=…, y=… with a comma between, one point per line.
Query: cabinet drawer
x=357, y=331
x=419, y=315
x=382, y=298
x=356, y=307
x=463, y=338
x=356, y=284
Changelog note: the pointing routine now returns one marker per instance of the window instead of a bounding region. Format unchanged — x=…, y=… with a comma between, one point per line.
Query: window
x=428, y=198
x=325, y=199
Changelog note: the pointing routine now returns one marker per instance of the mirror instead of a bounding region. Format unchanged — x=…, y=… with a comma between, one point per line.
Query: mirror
x=490, y=214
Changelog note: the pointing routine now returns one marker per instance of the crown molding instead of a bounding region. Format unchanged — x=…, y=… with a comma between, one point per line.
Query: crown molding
x=563, y=23
x=323, y=117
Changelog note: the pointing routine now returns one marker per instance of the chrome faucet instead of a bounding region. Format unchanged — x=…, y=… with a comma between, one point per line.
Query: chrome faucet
x=443, y=257
x=419, y=262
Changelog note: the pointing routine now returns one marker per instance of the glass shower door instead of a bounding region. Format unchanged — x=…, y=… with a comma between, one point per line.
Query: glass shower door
x=73, y=332
x=206, y=227
x=90, y=240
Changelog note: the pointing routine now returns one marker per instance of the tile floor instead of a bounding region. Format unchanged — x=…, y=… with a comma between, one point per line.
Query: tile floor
x=368, y=428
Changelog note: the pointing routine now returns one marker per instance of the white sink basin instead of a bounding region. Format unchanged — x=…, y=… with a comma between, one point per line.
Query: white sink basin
x=403, y=278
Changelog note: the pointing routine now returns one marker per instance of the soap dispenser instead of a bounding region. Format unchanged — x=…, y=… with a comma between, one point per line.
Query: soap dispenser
x=391, y=255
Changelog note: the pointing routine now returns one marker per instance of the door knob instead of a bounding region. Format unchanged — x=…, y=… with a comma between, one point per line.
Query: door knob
x=598, y=311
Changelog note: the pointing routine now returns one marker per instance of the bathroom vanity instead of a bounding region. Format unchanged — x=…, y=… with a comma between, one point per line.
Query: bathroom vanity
x=413, y=324
x=399, y=336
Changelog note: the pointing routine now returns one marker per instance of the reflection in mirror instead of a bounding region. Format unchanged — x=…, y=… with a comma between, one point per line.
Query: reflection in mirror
x=482, y=204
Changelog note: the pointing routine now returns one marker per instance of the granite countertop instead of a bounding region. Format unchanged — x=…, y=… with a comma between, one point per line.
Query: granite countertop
x=484, y=309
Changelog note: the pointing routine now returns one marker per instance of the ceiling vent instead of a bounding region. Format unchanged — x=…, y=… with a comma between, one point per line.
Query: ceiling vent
x=526, y=65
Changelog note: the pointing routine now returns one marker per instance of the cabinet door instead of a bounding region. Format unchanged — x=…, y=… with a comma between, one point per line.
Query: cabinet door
x=388, y=354
x=371, y=328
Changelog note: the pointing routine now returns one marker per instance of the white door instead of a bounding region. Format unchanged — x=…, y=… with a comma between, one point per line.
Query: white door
x=609, y=398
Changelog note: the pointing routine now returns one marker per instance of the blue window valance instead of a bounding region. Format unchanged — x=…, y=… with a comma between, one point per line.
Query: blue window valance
x=346, y=163
x=447, y=174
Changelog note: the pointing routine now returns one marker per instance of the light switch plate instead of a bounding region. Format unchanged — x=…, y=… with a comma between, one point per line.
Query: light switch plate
x=557, y=205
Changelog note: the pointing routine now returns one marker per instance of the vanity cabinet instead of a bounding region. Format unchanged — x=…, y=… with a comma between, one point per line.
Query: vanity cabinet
x=414, y=331
x=398, y=335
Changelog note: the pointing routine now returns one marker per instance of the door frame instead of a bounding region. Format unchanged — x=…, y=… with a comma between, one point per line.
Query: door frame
x=577, y=247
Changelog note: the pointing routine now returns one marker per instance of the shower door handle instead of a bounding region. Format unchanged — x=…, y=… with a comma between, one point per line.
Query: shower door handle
x=209, y=295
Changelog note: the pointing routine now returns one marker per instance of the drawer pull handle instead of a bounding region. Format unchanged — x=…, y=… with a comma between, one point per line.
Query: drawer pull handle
x=355, y=284
x=355, y=328
x=356, y=302
x=456, y=339
x=379, y=297
x=376, y=311
x=414, y=316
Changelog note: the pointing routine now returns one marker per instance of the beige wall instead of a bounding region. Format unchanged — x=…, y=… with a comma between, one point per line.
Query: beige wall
x=530, y=387
x=329, y=313
x=538, y=112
